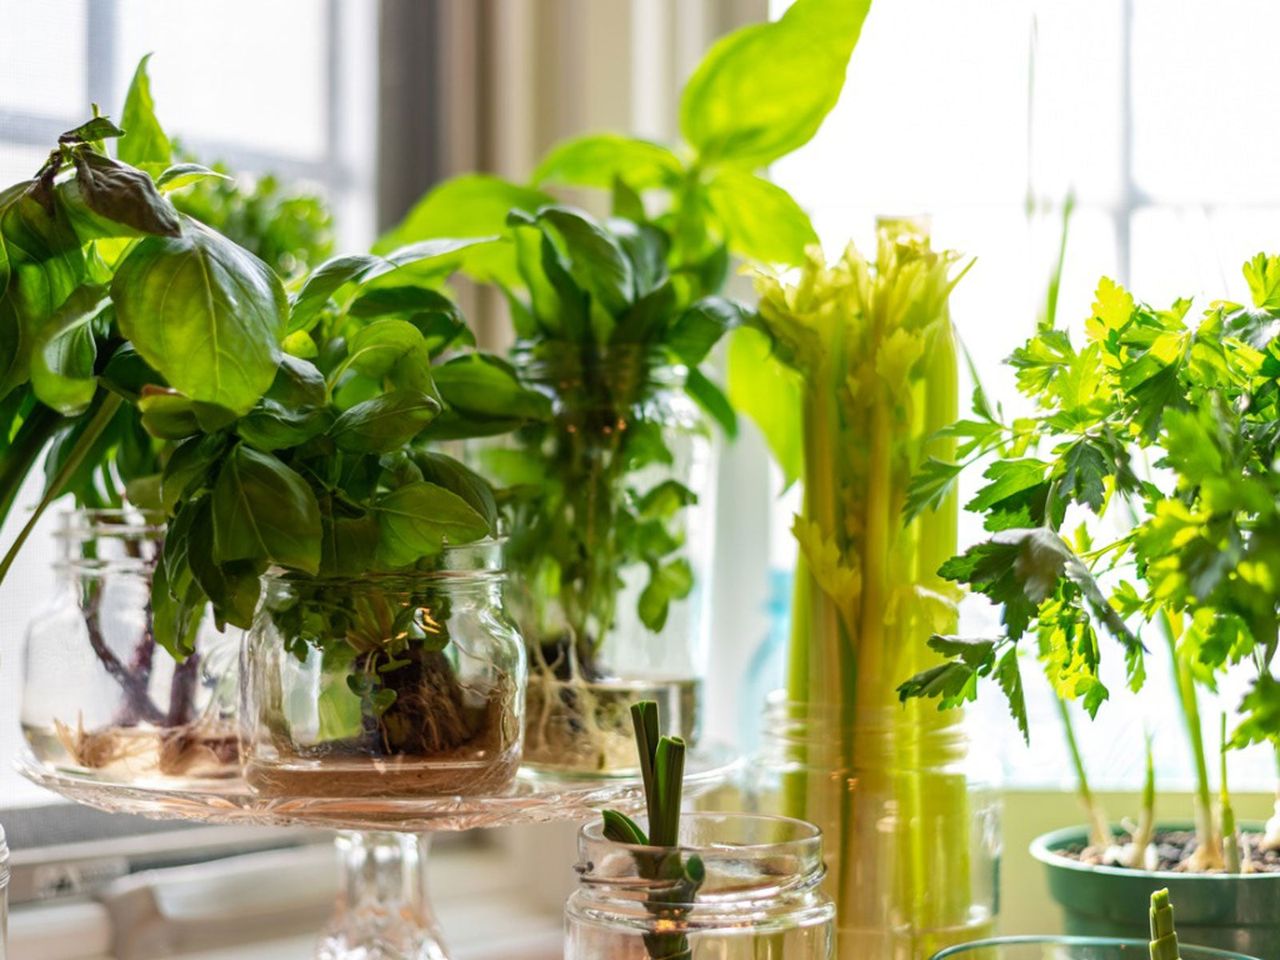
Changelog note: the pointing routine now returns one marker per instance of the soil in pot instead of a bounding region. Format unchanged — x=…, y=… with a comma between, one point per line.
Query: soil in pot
x=437, y=737
x=1173, y=850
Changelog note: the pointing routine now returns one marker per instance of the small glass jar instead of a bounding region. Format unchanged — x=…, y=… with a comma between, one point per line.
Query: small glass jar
x=100, y=697
x=760, y=896
x=386, y=685
x=911, y=821
x=612, y=538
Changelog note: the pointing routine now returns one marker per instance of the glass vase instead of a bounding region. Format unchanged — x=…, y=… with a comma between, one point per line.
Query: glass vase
x=911, y=822
x=100, y=698
x=760, y=896
x=397, y=685
x=611, y=541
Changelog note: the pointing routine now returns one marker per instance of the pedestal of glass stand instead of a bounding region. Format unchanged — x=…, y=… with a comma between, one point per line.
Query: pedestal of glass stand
x=383, y=910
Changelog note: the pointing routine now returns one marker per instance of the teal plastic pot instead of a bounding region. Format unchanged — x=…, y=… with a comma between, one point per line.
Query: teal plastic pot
x=1229, y=912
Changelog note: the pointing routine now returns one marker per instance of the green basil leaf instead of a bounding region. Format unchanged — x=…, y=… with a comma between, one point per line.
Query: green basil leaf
x=262, y=510
x=594, y=258
x=190, y=469
x=124, y=194
x=350, y=545
x=232, y=588
x=292, y=412
x=479, y=385
x=169, y=415
x=711, y=398
x=648, y=317
x=144, y=140
x=597, y=160
x=435, y=316
x=384, y=422
x=672, y=581
x=454, y=476
x=358, y=269
x=99, y=128
x=185, y=174
x=126, y=373
x=205, y=313
x=472, y=205
x=375, y=349
x=62, y=363
x=761, y=221
x=700, y=328
x=764, y=90
x=416, y=520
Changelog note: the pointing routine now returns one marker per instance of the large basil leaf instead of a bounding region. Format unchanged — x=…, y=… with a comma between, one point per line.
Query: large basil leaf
x=594, y=259
x=441, y=256
x=385, y=422
x=62, y=362
x=761, y=220
x=451, y=474
x=144, y=141
x=169, y=415
x=700, y=328
x=375, y=349
x=473, y=205
x=484, y=386
x=190, y=468
x=763, y=91
x=205, y=313
x=596, y=160
x=417, y=519
x=123, y=195
x=262, y=510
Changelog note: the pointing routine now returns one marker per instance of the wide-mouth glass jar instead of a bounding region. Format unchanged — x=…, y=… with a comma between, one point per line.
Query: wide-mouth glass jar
x=386, y=685
x=910, y=819
x=100, y=697
x=611, y=542
x=756, y=892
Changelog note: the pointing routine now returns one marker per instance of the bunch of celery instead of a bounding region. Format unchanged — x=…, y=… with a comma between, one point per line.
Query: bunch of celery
x=872, y=380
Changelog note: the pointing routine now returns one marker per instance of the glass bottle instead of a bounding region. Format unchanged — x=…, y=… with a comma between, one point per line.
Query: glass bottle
x=760, y=895
x=396, y=685
x=910, y=818
x=100, y=698
x=611, y=542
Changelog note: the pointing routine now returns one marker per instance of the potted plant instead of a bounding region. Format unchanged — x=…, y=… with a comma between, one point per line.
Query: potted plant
x=858, y=360
x=1161, y=423
x=615, y=319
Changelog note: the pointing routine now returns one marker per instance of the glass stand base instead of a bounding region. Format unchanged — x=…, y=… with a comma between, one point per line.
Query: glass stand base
x=383, y=910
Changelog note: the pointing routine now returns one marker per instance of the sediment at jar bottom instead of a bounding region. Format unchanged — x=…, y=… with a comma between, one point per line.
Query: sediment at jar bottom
x=584, y=727
x=445, y=745
x=138, y=753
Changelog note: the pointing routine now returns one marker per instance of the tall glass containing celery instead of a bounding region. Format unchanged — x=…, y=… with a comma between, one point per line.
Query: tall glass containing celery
x=870, y=381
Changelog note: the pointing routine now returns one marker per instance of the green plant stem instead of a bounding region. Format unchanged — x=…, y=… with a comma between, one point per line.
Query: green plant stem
x=107, y=407
x=1099, y=830
x=1164, y=938
x=1230, y=839
x=1209, y=842
x=1145, y=831
x=31, y=439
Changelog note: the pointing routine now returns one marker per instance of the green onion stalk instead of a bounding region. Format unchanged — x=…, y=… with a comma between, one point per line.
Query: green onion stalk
x=876, y=355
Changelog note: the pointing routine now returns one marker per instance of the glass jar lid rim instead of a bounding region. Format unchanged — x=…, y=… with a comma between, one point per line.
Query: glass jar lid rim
x=805, y=833
x=451, y=565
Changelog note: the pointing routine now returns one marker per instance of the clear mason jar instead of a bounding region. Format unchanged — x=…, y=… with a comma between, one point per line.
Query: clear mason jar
x=910, y=818
x=385, y=685
x=100, y=698
x=761, y=895
x=611, y=544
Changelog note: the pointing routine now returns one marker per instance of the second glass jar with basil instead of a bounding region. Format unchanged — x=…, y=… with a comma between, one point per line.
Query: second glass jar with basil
x=611, y=543
x=387, y=685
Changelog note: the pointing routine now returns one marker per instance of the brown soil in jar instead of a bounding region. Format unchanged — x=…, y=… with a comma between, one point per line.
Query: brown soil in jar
x=458, y=749
x=1174, y=848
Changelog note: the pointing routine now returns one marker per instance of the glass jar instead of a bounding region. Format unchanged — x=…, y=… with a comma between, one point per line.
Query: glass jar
x=4, y=895
x=910, y=819
x=611, y=540
x=386, y=685
x=100, y=698
x=760, y=896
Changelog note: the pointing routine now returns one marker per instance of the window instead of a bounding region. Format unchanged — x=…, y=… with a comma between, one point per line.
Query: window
x=979, y=112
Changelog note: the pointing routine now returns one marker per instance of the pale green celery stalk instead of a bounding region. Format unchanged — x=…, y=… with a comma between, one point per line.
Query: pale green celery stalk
x=1146, y=829
x=1096, y=817
x=1208, y=853
x=1230, y=839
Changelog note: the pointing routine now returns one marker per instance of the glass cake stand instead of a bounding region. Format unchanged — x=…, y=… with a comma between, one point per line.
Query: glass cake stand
x=383, y=909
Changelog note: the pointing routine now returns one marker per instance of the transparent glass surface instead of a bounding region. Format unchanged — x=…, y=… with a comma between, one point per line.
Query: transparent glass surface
x=911, y=825
x=385, y=686
x=759, y=896
x=611, y=546
x=1072, y=948
x=100, y=697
